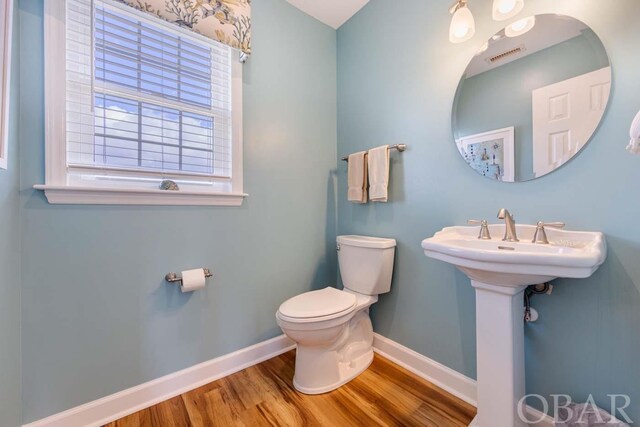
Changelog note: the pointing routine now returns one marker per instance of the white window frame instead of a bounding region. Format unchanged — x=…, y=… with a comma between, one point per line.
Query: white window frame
x=59, y=188
x=5, y=57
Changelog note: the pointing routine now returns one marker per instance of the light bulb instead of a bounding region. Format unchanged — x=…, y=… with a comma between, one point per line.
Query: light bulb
x=507, y=6
x=460, y=31
x=463, y=26
x=505, y=9
x=520, y=27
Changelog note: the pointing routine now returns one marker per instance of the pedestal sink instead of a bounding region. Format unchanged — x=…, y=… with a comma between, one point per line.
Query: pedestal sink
x=500, y=272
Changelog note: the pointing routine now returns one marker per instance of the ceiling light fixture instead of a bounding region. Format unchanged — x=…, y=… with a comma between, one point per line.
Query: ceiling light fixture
x=520, y=27
x=505, y=9
x=463, y=26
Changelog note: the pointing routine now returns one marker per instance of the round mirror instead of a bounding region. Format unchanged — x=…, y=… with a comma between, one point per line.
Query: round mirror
x=531, y=98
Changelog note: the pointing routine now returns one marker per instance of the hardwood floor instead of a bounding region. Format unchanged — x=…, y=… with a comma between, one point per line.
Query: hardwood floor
x=263, y=395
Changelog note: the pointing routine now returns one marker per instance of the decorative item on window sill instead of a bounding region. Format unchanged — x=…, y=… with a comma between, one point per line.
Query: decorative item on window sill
x=169, y=185
x=399, y=147
x=634, y=133
x=226, y=21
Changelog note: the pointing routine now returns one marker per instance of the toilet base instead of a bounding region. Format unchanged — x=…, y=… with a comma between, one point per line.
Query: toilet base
x=348, y=371
x=345, y=352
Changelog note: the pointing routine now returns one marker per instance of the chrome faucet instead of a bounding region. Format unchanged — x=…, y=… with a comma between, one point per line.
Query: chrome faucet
x=510, y=226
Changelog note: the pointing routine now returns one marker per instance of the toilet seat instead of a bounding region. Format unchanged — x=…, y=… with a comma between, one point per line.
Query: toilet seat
x=314, y=306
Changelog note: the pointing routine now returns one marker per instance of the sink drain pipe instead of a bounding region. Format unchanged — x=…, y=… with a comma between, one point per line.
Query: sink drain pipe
x=530, y=314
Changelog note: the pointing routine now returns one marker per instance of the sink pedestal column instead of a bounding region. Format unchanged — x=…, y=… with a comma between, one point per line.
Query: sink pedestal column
x=500, y=354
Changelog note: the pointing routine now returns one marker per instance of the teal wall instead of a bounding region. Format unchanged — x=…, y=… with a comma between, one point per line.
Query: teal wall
x=97, y=315
x=501, y=97
x=10, y=267
x=98, y=318
x=397, y=77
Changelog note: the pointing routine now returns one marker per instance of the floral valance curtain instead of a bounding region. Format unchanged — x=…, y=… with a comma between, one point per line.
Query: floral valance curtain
x=227, y=21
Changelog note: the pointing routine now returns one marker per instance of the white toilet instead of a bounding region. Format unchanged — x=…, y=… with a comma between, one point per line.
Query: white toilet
x=331, y=327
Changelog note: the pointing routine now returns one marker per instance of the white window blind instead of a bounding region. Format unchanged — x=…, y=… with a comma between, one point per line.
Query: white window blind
x=144, y=100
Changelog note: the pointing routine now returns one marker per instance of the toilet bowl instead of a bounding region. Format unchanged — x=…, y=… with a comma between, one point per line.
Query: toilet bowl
x=331, y=327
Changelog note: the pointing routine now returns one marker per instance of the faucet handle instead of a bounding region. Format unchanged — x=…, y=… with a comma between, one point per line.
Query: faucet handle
x=552, y=224
x=540, y=236
x=484, y=228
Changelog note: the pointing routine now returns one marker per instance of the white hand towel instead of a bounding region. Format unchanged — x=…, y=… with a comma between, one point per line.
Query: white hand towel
x=634, y=145
x=357, y=177
x=379, y=174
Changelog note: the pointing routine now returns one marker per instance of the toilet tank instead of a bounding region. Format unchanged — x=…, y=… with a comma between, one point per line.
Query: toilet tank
x=366, y=263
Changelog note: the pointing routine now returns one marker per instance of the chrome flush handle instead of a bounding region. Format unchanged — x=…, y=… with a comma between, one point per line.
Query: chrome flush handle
x=540, y=236
x=484, y=228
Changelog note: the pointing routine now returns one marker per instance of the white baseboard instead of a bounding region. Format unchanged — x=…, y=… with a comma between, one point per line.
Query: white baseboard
x=436, y=373
x=121, y=404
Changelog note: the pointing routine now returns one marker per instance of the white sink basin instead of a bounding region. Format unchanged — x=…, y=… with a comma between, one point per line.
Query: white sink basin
x=500, y=272
x=570, y=254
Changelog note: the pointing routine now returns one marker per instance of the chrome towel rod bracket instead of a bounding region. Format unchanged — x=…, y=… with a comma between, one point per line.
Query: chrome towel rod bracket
x=399, y=147
x=174, y=278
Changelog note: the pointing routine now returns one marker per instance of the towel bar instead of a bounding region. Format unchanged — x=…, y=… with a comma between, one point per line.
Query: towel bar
x=399, y=147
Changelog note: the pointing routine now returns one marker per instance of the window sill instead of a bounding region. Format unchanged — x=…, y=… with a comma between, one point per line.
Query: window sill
x=69, y=195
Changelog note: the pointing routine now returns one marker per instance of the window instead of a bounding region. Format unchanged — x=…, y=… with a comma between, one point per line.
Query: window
x=133, y=100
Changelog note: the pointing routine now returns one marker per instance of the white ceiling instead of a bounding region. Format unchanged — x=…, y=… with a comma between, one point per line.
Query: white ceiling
x=334, y=13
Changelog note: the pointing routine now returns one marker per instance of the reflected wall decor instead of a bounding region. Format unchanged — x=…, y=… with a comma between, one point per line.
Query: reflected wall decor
x=491, y=154
x=6, y=17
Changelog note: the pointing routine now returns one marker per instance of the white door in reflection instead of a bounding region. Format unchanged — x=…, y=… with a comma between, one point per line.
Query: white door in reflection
x=565, y=115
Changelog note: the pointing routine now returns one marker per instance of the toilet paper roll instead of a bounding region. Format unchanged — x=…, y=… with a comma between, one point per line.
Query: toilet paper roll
x=192, y=280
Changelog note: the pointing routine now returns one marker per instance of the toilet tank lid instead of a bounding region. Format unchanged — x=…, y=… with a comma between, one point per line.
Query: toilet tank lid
x=366, y=242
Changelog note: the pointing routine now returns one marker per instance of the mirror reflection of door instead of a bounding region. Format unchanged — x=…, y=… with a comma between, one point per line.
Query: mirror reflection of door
x=550, y=82
x=565, y=115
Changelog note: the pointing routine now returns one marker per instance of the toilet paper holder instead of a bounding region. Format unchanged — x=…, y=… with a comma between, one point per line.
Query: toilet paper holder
x=174, y=278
